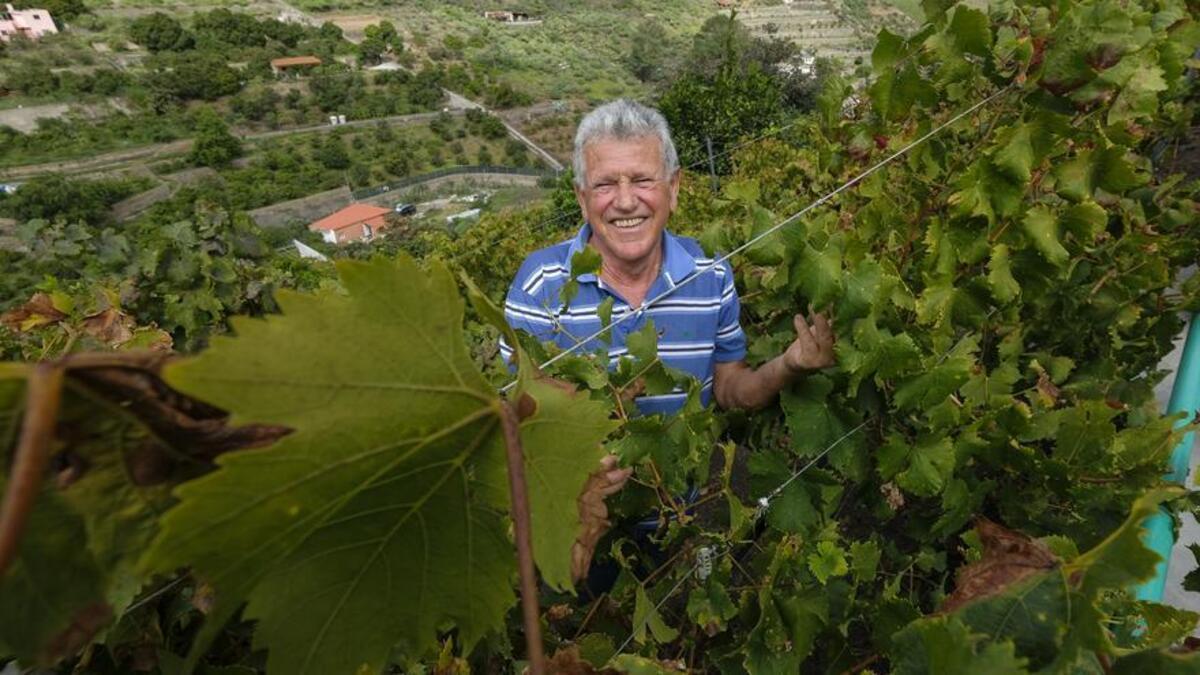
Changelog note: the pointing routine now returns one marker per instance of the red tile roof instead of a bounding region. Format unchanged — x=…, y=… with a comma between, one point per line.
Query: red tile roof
x=353, y=214
x=295, y=61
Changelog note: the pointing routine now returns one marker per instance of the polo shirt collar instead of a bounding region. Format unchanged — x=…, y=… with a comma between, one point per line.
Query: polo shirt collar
x=677, y=262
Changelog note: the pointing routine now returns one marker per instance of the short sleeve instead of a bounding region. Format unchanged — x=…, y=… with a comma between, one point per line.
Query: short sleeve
x=524, y=312
x=731, y=341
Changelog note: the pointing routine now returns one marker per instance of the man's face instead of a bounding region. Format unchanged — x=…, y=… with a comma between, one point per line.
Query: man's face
x=627, y=197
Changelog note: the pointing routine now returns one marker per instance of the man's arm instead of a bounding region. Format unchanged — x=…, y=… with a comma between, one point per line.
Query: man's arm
x=738, y=386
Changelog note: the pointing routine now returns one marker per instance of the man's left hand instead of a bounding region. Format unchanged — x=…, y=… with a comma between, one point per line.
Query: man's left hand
x=813, y=347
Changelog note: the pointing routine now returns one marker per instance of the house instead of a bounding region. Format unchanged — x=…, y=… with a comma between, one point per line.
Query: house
x=507, y=17
x=357, y=222
x=32, y=23
x=293, y=64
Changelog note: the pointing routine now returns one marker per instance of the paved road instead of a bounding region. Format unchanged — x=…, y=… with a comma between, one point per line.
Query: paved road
x=460, y=102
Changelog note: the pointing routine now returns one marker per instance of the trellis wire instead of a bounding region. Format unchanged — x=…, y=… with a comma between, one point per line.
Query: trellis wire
x=764, y=504
x=763, y=235
x=775, y=131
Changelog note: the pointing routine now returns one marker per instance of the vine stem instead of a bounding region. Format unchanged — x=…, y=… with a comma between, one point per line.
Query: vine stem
x=523, y=534
x=42, y=400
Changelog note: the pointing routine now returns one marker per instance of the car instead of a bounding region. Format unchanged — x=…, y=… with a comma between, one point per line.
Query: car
x=406, y=209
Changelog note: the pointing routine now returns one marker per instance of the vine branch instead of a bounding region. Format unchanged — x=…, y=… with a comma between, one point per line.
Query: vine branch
x=524, y=537
x=42, y=399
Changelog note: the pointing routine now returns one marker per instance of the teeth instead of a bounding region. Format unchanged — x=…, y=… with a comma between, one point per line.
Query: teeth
x=628, y=222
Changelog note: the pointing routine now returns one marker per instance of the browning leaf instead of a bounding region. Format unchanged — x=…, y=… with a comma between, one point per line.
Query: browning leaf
x=132, y=381
x=38, y=312
x=1008, y=557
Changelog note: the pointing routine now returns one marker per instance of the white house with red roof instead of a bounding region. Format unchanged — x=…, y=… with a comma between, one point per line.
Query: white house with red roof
x=357, y=222
x=32, y=23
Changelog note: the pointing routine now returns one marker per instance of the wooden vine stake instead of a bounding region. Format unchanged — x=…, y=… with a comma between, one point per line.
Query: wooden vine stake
x=524, y=537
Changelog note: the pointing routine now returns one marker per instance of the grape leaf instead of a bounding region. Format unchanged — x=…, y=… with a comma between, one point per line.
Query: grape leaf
x=827, y=561
x=1016, y=156
x=944, y=645
x=1000, y=279
x=971, y=32
x=384, y=521
x=932, y=387
x=1160, y=662
x=1041, y=225
x=1139, y=96
x=646, y=616
x=786, y=632
x=921, y=468
x=818, y=274
x=813, y=422
x=864, y=557
x=889, y=48
x=53, y=593
x=1122, y=560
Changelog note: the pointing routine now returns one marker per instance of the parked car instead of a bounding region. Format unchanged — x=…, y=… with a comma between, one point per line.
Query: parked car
x=406, y=209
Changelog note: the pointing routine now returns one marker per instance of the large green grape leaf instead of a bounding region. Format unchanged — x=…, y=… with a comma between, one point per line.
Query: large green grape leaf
x=380, y=520
x=1122, y=560
x=921, y=468
x=944, y=645
x=933, y=386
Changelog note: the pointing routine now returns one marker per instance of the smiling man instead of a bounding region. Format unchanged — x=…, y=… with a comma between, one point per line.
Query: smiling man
x=627, y=186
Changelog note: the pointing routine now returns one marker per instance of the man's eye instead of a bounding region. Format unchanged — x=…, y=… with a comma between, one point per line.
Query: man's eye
x=604, y=187
x=644, y=181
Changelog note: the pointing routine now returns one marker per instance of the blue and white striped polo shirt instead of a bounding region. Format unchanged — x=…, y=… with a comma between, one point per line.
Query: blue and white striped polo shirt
x=697, y=323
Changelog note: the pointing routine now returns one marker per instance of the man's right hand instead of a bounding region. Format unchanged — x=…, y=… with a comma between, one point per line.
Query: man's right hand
x=593, y=512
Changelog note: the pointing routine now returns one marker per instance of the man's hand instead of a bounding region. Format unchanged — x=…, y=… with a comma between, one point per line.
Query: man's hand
x=737, y=385
x=813, y=347
x=593, y=512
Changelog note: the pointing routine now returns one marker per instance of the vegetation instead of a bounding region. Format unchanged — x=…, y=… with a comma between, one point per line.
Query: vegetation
x=962, y=493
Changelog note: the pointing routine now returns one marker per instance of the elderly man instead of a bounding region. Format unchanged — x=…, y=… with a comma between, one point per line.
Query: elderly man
x=627, y=185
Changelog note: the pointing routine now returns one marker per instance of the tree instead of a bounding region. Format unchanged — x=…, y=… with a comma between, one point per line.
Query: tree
x=723, y=111
x=214, y=146
x=332, y=153
x=333, y=87
x=159, y=32
x=221, y=26
x=650, y=52
x=56, y=197
x=330, y=31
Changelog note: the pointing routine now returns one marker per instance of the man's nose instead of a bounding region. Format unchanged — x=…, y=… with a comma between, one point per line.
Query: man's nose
x=625, y=199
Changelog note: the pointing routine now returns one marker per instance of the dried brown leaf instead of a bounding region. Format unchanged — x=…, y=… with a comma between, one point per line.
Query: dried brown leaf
x=1008, y=558
x=38, y=312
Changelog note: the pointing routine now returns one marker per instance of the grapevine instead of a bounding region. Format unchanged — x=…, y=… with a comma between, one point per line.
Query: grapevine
x=963, y=490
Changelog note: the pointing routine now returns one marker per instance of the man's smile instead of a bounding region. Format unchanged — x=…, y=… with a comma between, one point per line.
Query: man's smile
x=627, y=223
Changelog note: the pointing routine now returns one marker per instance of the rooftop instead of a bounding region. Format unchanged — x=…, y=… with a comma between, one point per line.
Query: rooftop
x=295, y=61
x=351, y=215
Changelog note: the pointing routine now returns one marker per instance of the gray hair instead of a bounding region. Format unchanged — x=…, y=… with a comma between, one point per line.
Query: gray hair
x=620, y=120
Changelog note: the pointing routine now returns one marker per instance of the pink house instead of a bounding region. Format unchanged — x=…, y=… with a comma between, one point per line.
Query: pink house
x=32, y=23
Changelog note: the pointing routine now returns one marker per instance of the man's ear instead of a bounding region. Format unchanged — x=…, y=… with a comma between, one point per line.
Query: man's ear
x=674, y=184
x=580, y=199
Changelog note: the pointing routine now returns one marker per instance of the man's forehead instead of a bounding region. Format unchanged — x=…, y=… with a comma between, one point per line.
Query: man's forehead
x=608, y=150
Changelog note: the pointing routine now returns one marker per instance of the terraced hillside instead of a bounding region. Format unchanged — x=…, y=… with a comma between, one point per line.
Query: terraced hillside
x=842, y=30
